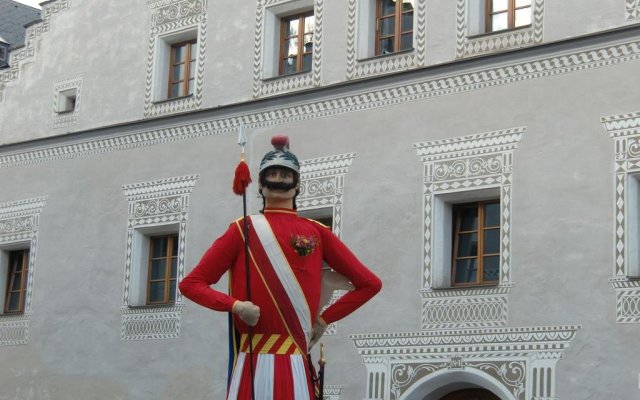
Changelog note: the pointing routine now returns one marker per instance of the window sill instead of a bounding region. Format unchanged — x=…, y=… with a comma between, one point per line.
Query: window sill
x=382, y=56
x=275, y=78
x=172, y=99
x=489, y=34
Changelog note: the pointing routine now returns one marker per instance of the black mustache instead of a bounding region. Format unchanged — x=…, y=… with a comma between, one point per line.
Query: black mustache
x=279, y=185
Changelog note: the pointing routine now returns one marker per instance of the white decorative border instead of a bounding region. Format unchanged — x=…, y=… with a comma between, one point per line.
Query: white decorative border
x=19, y=222
x=521, y=360
x=429, y=88
x=321, y=186
x=625, y=130
x=632, y=9
x=493, y=42
x=467, y=163
x=332, y=392
x=172, y=16
x=390, y=63
x=155, y=203
x=26, y=54
x=60, y=120
x=272, y=86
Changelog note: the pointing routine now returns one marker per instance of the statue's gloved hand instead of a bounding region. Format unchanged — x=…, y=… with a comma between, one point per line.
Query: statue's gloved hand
x=318, y=329
x=248, y=312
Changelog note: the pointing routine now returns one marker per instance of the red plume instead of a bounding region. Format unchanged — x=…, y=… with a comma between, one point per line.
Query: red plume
x=280, y=142
x=242, y=178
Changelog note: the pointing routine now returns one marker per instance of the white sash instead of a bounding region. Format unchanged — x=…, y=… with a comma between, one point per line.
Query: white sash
x=283, y=270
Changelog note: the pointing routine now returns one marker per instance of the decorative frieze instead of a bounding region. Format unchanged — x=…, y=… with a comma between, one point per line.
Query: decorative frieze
x=466, y=308
x=632, y=10
x=625, y=130
x=154, y=205
x=469, y=45
x=519, y=362
x=388, y=96
x=19, y=221
x=332, y=392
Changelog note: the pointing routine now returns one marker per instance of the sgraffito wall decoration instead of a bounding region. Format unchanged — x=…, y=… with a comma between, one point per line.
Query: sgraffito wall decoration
x=632, y=9
x=64, y=119
x=154, y=204
x=466, y=165
x=19, y=222
x=624, y=129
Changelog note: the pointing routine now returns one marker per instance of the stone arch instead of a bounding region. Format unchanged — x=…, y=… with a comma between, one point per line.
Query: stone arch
x=438, y=384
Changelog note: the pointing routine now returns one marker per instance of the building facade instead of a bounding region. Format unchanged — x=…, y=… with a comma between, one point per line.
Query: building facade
x=480, y=156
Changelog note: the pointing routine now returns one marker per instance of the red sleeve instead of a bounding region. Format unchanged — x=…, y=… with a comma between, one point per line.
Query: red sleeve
x=342, y=260
x=214, y=263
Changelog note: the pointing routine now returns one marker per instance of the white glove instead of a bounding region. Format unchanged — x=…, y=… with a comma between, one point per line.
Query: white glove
x=248, y=312
x=317, y=331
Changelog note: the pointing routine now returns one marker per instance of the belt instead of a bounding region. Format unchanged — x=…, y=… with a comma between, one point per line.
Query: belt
x=269, y=344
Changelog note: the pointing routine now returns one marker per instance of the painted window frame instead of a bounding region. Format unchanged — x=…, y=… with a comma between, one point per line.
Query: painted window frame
x=512, y=8
x=397, y=34
x=188, y=81
x=24, y=276
x=282, y=57
x=168, y=297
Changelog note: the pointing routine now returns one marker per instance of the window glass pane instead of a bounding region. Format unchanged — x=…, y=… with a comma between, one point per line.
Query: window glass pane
x=522, y=3
x=407, y=5
x=466, y=271
x=309, y=23
x=178, y=73
x=17, y=281
x=192, y=70
x=290, y=65
x=158, y=269
x=387, y=7
x=175, y=90
x=499, y=5
x=491, y=268
x=291, y=47
x=291, y=27
x=523, y=17
x=191, y=83
x=14, y=301
x=179, y=54
x=492, y=214
x=468, y=219
x=308, y=43
x=174, y=267
x=492, y=241
x=172, y=291
x=194, y=51
x=386, y=46
x=156, y=292
x=407, y=22
x=159, y=246
x=387, y=26
x=306, y=63
x=174, y=246
x=407, y=41
x=499, y=22
x=467, y=245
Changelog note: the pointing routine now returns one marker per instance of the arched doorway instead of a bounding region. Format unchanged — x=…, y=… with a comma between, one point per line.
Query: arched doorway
x=470, y=394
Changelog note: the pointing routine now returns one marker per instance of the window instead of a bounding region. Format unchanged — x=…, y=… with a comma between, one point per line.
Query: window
x=16, y=282
x=163, y=269
x=507, y=14
x=67, y=100
x=394, y=26
x=296, y=43
x=3, y=52
x=476, y=244
x=182, y=69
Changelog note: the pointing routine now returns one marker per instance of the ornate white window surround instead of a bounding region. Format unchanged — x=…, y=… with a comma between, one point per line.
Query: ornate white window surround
x=173, y=21
x=154, y=207
x=467, y=168
x=632, y=9
x=518, y=363
x=19, y=221
x=471, y=42
x=266, y=82
x=321, y=188
x=625, y=130
x=62, y=89
x=361, y=59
